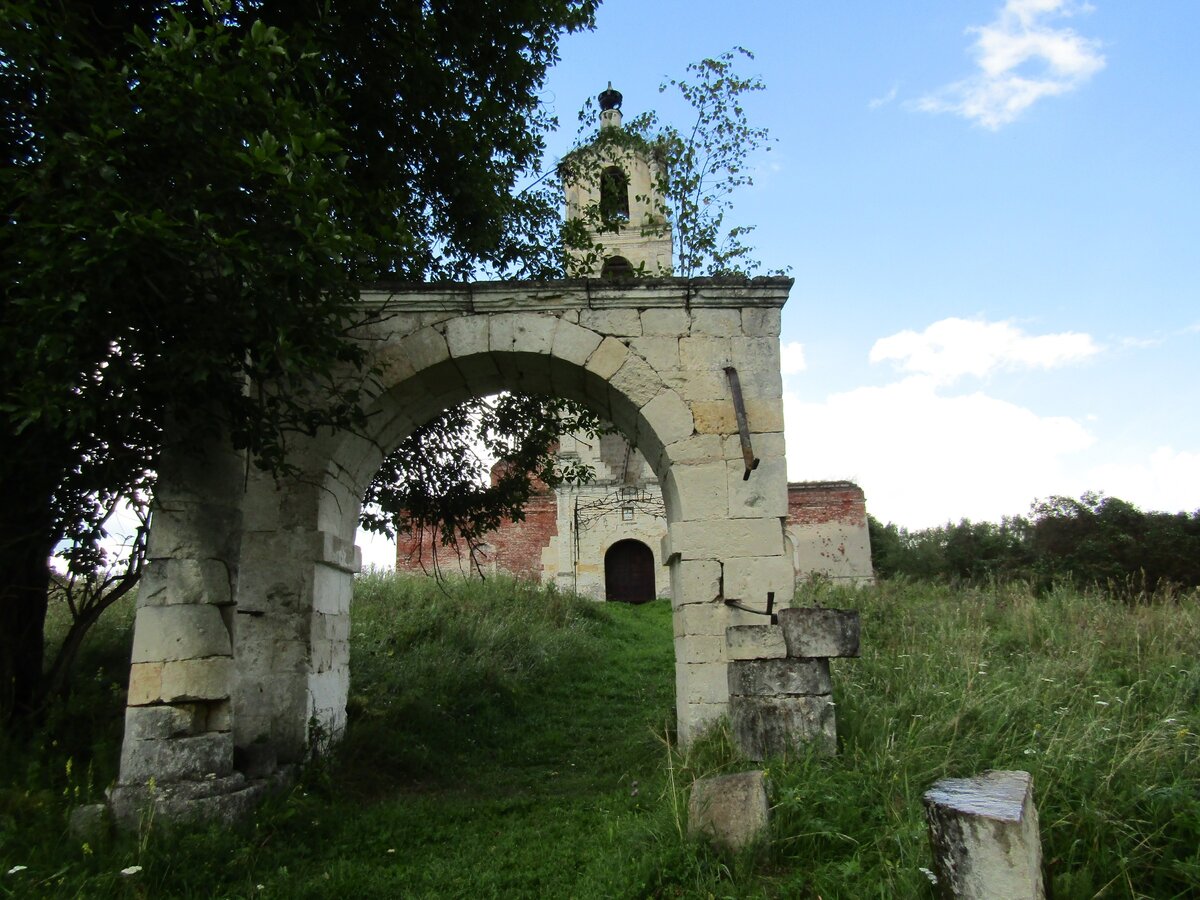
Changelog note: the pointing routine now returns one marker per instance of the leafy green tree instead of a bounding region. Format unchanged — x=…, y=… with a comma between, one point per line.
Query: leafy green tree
x=192, y=196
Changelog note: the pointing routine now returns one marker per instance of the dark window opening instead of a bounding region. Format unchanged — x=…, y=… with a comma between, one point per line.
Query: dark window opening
x=616, y=267
x=614, y=195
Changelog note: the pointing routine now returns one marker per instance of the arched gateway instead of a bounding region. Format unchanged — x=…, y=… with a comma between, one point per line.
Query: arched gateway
x=241, y=643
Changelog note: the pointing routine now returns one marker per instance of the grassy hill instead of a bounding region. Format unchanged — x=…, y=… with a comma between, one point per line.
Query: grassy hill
x=507, y=741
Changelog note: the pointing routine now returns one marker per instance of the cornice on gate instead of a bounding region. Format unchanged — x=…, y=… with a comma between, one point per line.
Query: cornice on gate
x=584, y=293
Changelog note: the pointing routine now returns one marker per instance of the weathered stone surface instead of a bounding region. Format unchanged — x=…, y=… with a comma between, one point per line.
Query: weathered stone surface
x=660, y=351
x=637, y=381
x=607, y=358
x=467, y=335
x=812, y=631
x=89, y=823
x=704, y=352
x=573, y=343
x=185, y=581
x=731, y=811
x=760, y=495
x=221, y=800
x=669, y=417
x=617, y=322
x=695, y=581
x=719, y=417
x=777, y=677
x=256, y=760
x=751, y=578
x=762, y=321
x=700, y=491
x=701, y=682
x=672, y=322
x=984, y=835
x=181, y=680
x=179, y=632
x=720, y=322
x=775, y=726
x=755, y=642
x=176, y=759
x=522, y=332
x=726, y=538
x=144, y=723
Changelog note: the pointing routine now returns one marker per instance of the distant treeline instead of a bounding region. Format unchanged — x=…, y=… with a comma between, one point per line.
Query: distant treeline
x=1094, y=540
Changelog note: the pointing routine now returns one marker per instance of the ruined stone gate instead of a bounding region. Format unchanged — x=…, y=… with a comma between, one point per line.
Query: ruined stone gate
x=240, y=661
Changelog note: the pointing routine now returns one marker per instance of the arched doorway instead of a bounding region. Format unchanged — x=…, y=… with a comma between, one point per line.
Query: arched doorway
x=629, y=572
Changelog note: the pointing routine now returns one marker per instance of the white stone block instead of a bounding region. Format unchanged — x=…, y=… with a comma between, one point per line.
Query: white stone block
x=760, y=321
x=705, y=352
x=467, y=336
x=720, y=322
x=755, y=642
x=701, y=491
x=164, y=633
x=726, y=539
x=701, y=682
x=574, y=344
x=661, y=352
x=425, y=349
x=637, y=381
x=669, y=418
x=615, y=322
x=763, y=494
x=521, y=333
x=750, y=578
x=607, y=358
x=673, y=322
x=695, y=581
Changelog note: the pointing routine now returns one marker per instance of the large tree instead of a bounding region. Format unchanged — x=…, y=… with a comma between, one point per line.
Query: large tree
x=192, y=194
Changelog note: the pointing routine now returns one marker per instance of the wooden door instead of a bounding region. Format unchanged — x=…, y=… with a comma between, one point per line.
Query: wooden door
x=629, y=572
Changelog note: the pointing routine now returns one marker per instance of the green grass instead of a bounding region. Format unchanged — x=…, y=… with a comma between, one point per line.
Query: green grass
x=506, y=741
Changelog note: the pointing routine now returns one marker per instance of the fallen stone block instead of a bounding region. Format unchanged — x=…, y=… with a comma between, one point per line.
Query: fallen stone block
x=731, y=811
x=984, y=836
x=774, y=726
x=812, y=631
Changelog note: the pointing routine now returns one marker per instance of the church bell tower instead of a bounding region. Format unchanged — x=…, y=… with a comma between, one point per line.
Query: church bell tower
x=614, y=187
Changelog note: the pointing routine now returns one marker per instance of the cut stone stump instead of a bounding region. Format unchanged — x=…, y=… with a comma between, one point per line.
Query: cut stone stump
x=984, y=836
x=812, y=631
x=731, y=811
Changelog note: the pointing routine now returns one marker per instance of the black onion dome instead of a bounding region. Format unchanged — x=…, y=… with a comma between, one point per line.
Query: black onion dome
x=610, y=99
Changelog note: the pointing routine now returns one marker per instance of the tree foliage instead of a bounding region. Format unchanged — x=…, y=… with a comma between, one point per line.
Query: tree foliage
x=440, y=481
x=192, y=195
x=1093, y=540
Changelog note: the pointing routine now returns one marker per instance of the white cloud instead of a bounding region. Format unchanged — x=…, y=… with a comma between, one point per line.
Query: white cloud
x=924, y=459
x=953, y=347
x=1021, y=59
x=876, y=102
x=791, y=358
x=1168, y=481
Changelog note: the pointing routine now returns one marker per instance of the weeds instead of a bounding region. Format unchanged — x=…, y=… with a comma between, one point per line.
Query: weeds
x=509, y=741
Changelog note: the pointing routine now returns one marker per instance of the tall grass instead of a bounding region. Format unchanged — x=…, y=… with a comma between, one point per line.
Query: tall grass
x=510, y=741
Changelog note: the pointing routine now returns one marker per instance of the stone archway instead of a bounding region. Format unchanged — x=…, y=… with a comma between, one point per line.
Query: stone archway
x=241, y=648
x=629, y=572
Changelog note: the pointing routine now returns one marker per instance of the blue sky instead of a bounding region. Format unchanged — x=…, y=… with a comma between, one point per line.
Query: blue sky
x=991, y=211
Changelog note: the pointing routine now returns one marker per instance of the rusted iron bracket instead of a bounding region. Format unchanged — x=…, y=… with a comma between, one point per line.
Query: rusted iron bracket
x=739, y=408
x=770, y=611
